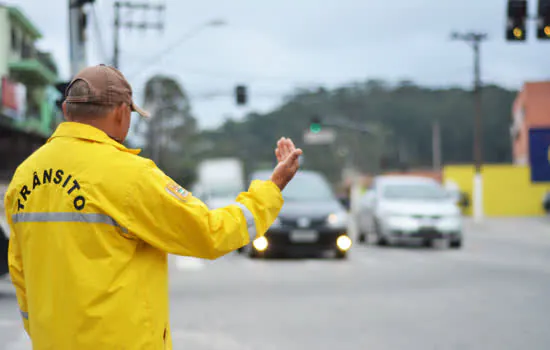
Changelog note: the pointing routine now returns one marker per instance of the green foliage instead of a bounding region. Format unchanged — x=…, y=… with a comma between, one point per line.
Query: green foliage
x=402, y=115
x=173, y=129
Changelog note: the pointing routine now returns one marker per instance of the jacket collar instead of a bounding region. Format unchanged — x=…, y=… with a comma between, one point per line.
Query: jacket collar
x=90, y=133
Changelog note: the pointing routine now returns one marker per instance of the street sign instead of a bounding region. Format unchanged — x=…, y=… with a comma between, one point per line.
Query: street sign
x=539, y=154
x=322, y=137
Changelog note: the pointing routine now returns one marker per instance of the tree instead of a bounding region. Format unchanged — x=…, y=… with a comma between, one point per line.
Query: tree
x=402, y=115
x=171, y=133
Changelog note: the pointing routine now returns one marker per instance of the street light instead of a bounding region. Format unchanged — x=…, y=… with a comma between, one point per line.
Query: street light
x=214, y=23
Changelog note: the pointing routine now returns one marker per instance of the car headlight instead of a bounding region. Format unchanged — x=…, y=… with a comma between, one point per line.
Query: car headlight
x=260, y=244
x=337, y=219
x=344, y=243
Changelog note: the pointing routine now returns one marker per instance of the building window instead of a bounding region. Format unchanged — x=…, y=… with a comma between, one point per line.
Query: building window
x=14, y=42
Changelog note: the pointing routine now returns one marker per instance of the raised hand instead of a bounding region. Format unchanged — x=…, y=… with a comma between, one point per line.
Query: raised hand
x=288, y=163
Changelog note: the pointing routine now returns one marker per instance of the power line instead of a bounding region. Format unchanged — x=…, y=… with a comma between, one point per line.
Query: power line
x=166, y=51
x=120, y=22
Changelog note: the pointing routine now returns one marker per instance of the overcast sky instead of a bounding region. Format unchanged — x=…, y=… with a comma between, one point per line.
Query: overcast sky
x=276, y=46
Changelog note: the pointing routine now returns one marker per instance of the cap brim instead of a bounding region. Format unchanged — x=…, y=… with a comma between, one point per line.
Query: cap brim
x=140, y=111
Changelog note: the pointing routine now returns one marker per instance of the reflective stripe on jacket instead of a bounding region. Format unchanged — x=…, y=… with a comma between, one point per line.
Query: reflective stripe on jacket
x=91, y=225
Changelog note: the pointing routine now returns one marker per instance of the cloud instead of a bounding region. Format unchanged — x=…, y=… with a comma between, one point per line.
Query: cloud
x=274, y=46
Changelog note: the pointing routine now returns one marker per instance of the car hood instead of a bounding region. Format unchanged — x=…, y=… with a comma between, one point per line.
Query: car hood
x=311, y=209
x=419, y=207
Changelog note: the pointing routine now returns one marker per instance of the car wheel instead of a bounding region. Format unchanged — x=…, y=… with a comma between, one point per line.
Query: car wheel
x=456, y=244
x=362, y=238
x=252, y=253
x=428, y=243
x=380, y=240
x=341, y=255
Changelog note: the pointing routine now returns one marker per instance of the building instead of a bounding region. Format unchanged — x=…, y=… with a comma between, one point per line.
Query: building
x=28, y=111
x=531, y=109
x=28, y=76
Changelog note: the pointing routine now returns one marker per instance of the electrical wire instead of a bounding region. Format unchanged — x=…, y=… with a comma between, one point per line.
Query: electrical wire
x=156, y=59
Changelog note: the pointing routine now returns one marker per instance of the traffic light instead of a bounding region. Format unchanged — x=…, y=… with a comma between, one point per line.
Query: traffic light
x=543, y=20
x=517, y=16
x=240, y=94
x=315, y=125
x=61, y=87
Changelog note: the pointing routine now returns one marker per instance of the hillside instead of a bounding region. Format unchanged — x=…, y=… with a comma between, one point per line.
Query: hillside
x=402, y=114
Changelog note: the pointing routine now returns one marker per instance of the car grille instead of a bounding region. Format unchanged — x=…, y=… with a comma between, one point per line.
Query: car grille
x=292, y=223
x=433, y=217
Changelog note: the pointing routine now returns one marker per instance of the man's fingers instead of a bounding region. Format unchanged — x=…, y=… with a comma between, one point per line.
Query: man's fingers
x=280, y=143
x=285, y=148
x=293, y=157
x=288, y=149
x=291, y=145
x=278, y=154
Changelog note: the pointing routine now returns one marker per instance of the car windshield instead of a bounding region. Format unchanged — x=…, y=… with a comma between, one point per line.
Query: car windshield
x=303, y=187
x=414, y=191
x=307, y=188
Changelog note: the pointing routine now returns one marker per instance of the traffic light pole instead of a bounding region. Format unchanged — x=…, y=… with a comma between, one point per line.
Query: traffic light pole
x=316, y=126
x=475, y=40
x=348, y=126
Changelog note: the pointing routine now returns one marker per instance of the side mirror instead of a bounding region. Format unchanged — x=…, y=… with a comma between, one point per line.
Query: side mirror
x=464, y=200
x=345, y=202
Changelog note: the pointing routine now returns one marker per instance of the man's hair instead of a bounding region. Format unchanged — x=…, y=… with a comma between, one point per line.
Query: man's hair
x=84, y=110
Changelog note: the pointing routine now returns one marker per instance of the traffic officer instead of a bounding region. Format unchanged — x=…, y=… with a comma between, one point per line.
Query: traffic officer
x=92, y=223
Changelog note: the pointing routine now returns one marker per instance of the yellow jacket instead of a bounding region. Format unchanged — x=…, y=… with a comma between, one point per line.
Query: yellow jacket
x=91, y=225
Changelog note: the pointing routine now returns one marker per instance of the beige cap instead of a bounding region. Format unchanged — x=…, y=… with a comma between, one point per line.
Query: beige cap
x=107, y=86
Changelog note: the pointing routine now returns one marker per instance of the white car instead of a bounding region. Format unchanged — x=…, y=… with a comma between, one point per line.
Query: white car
x=399, y=208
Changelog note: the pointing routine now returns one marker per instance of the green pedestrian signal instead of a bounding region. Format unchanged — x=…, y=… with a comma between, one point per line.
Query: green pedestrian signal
x=315, y=126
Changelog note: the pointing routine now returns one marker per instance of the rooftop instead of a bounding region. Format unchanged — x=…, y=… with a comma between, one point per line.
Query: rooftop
x=18, y=16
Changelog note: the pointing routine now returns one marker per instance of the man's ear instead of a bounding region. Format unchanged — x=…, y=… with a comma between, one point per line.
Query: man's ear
x=64, y=109
x=119, y=113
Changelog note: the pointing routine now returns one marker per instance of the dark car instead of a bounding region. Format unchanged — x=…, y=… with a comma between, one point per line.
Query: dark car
x=312, y=220
x=546, y=202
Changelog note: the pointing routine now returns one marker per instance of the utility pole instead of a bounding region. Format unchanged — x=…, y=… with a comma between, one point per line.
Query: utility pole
x=436, y=144
x=475, y=39
x=77, y=35
x=120, y=23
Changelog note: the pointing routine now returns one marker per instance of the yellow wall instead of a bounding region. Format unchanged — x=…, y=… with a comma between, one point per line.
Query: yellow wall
x=507, y=189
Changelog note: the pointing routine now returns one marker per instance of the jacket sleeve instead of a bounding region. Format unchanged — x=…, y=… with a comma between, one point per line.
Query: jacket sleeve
x=163, y=214
x=15, y=265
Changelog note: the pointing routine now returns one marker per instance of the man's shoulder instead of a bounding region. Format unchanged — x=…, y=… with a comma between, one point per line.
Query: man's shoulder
x=135, y=162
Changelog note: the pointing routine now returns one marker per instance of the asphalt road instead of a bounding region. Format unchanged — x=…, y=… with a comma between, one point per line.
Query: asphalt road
x=492, y=294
